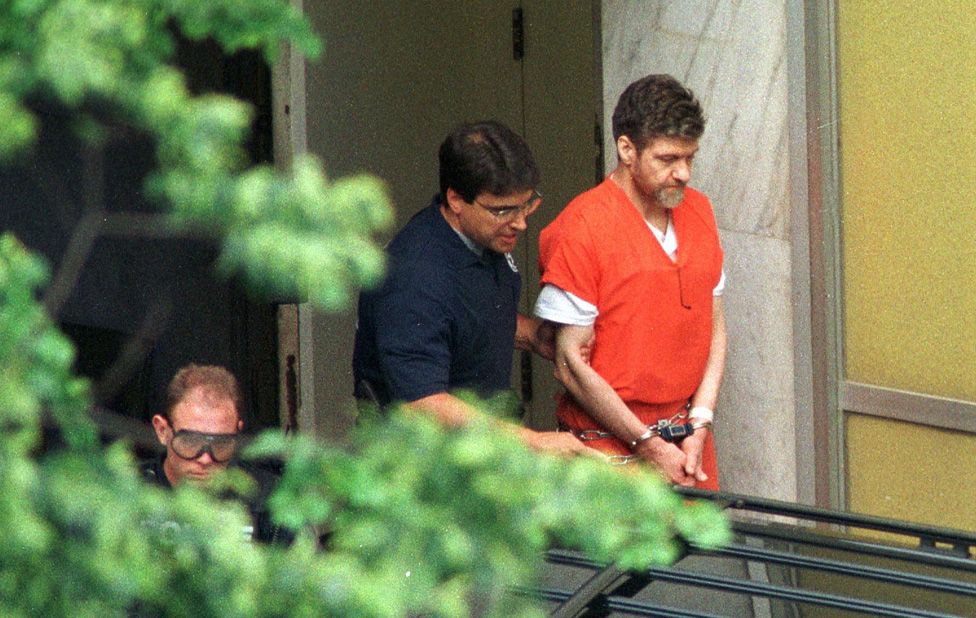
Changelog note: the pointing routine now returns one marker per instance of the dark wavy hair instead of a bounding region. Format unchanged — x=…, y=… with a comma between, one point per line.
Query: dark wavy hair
x=657, y=106
x=486, y=157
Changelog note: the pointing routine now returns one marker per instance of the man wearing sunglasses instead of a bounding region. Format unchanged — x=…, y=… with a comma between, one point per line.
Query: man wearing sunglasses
x=201, y=430
x=446, y=318
x=201, y=426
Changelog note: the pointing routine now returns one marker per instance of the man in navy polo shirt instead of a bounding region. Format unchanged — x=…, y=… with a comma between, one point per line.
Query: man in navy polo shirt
x=446, y=316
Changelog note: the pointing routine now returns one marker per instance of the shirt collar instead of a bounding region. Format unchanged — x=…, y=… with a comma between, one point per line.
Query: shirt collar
x=470, y=244
x=471, y=248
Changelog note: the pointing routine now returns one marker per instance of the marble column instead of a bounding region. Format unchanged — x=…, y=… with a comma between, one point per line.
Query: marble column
x=733, y=54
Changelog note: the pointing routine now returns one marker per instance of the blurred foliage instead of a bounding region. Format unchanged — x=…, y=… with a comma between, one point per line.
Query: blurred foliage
x=439, y=517
x=109, y=62
x=425, y=520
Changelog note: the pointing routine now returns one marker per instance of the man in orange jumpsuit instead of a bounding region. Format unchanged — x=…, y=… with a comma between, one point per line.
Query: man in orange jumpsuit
x=635, y=266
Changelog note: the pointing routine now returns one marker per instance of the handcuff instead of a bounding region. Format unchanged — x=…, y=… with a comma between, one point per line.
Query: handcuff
x=668, y=429
x=672, y=430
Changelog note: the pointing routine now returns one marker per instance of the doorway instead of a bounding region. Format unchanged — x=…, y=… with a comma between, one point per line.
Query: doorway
x=396, y=77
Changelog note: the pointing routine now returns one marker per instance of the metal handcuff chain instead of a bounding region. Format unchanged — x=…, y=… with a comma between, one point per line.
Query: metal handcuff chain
x=589, y=435
x=664, y=428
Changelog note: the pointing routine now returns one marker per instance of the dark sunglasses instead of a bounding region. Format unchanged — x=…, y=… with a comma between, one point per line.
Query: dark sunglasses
x=192, y=444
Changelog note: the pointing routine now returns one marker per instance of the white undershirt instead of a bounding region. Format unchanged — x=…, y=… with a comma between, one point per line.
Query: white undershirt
x=558, y=305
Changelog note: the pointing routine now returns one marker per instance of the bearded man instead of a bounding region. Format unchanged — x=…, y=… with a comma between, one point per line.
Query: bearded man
x=636, y=263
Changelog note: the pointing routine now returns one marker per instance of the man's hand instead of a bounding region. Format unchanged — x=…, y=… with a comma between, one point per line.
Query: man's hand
x=539, y=336
x=535, y=335
x=559, y=443
x=544, y=342
x=692, y=447
x=669, y=459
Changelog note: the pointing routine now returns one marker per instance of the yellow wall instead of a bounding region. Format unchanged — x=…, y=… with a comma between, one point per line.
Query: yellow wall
x=907, y=83
x=911, y=472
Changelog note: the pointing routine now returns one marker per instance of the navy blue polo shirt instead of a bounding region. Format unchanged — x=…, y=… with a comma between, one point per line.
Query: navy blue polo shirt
x=444, y=318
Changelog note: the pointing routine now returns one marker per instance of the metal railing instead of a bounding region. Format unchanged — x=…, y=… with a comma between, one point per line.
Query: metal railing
x=862, y=565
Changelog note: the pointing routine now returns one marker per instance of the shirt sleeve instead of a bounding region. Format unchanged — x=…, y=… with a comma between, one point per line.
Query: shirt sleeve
x=720, y=288
x=413, y=339
x=559, y=306
x=571, y=263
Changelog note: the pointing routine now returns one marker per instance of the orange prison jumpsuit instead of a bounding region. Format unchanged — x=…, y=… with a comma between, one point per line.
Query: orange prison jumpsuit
x=654, y=328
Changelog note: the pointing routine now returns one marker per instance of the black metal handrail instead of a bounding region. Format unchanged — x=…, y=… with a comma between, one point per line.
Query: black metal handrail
x=609, y=588
x=825, y=599
x=844, y=568
x=612, y=603
x=927, y=535
x=925, y=556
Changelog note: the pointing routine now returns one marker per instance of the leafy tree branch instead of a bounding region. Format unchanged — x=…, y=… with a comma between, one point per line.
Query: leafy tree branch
x=425, y=520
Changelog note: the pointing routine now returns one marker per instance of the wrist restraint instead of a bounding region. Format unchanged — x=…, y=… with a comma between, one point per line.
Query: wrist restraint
x=673, y=429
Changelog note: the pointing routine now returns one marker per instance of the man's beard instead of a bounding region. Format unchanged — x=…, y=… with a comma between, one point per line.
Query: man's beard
x=670, y=197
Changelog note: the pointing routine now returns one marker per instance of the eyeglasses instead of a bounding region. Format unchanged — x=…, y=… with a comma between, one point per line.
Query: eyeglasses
x=192, y=444
x=507, y=213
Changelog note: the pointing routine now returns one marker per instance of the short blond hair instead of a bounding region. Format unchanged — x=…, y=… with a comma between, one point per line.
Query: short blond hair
x=217, y=383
